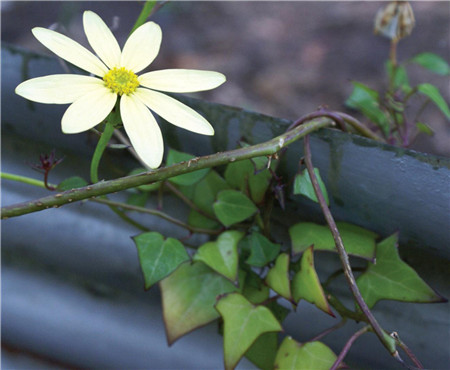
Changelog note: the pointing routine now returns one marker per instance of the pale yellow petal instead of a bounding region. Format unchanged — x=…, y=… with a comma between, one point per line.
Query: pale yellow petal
x=88, y=111
x=58, y=89
x=174, y=112
x=182, y=80
x=142, y=47
x=70, y=50
x=143, y=130
x=101, y=39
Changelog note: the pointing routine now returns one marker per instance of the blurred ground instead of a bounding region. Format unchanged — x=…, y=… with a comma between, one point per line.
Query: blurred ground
x=281, y=58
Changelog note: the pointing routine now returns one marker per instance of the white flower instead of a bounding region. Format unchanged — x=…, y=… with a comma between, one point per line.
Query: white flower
x=93, y=98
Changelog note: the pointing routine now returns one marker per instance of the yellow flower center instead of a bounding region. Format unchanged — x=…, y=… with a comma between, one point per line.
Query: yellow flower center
x=121, y=81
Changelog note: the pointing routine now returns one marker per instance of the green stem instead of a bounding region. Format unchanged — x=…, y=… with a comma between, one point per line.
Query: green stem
x=41, y=184
x=145, y=13
x=99, y=150
x=106, y=187
x=404, y=347
x=156, y=213
x=24, y=179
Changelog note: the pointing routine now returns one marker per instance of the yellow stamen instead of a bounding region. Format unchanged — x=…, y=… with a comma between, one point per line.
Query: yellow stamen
x=121, y=81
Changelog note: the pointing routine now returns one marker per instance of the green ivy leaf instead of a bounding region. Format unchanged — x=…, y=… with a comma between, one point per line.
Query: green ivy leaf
x=366, y=100
x=150, y=187
x=243, y=324
x=72, y=183
x=293, y=355
x=138, y=199
x=280, y=312
x=424, y=128
x=196, y=219
x=306, y=284
x=250, y=176
x=254, y=289
x=221, y=255
x=391, y=278
x=262, y=250
x=435, y=96
x=232, y=207
x=206, y=191
x=278, y=277
x=304, y=186
x=263, y=352
x=357, y=241
x=204, y=194
x=158, y=257
x=433, y=63
x=188, y=298
x=189, y=178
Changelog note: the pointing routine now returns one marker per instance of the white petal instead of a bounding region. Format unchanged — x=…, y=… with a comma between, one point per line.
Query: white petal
x=58, y=89
x=143, y=130
x=182, y=80
x=101, y=39
x=70, y=50
x=142, y=47
x=88, y=111
x=174, y=112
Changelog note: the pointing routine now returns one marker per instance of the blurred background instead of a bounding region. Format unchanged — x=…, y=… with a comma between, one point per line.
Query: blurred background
x=281, y=58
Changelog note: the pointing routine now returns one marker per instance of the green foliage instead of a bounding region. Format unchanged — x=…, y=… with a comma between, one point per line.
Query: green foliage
x=188, y=298
x=250, y=176
x=391, y=278
x=232, y=207
x=262, y=250
x=278, y=277
x=222, y=255
x=158, y=257
x=432, y=62
x=206, y=190
x=423, y=127
x=137, y=199
x=72, y=183
x=254, y=289
x=241, y=273
x=189, y=178
x=357, y=241
x=311, y=355
x=435, y=96
x=263, y=351
x=243, y=324
x=306, y=284
x=303, y=185
x=366, y=100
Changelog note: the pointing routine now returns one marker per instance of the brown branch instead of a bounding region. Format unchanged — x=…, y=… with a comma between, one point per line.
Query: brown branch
x=344, y=256
x=348, y=346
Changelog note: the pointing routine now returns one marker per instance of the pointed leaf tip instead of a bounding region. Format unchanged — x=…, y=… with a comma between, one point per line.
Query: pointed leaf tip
x=306, y=284
x=391, y=278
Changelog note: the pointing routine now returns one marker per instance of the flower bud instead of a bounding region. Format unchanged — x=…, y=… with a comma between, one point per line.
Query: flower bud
x=395, y=21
